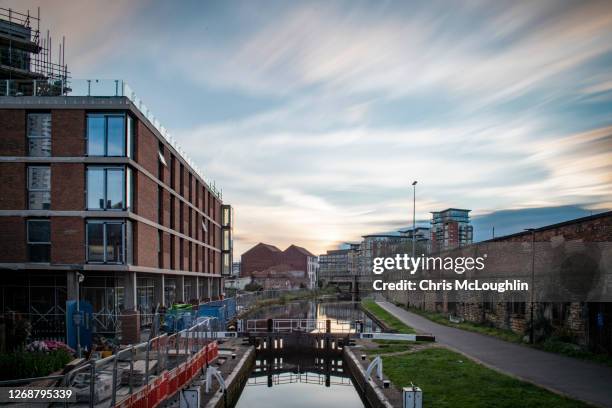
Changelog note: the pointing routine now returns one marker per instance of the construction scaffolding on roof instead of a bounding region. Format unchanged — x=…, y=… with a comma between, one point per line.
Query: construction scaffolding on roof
x=26, y=58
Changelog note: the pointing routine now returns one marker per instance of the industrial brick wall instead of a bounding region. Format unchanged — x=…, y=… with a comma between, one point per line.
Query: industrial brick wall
x=476, y=308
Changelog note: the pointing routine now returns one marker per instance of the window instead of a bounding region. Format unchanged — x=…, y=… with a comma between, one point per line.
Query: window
x=106, y=135
x=108, y=188
x=226, y=240
x=130, y=137
x=160, y=153
x=106, y=241
x=39, y=187
x=39, y=134
x=226, y=264
x=226, y=216
x=39, y=240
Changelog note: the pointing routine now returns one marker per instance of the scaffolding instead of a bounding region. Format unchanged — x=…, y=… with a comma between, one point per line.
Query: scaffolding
x=26, y=57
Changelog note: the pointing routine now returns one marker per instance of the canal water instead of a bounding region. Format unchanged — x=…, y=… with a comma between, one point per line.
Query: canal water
x=304, y=380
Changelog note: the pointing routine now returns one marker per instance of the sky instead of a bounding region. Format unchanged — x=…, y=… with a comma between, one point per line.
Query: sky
x=315, y=117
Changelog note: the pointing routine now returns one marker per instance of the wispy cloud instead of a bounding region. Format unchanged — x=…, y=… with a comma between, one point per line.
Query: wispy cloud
x=490, y=105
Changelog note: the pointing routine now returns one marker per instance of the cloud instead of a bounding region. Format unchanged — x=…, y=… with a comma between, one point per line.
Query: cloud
x=490, y=105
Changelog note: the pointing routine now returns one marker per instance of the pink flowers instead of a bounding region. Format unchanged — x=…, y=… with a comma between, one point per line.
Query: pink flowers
x=48, y=346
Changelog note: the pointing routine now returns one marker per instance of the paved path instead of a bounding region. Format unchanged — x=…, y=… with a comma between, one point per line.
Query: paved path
x=579, y=379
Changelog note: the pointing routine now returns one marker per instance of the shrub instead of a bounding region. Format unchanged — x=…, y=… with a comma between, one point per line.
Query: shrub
x=26, y=364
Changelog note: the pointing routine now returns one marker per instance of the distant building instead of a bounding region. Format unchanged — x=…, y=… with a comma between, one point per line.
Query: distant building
x=377, y=245
x=334, y=264
x=422, y=233
x=450, y=229
x=236, y=282
x=272, y=268
x=339, y=263
x=236, y=268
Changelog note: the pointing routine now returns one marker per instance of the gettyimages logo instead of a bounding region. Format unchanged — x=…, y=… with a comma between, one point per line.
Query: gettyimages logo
x=403, y=262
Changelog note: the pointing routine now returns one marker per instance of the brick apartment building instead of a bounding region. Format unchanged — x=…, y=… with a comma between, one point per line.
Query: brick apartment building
x=450, y=229
x=272, y=268
x=93, y=185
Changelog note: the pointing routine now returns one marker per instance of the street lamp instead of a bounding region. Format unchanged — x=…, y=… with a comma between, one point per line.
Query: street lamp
x=532, y=230
x=79, y=279
x=414, y=183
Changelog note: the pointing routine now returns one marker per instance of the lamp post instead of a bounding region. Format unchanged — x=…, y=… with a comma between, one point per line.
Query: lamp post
x=414, y=183
x=531, y=290
x=79, y=278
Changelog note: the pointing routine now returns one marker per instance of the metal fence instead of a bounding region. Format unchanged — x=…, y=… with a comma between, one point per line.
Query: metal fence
x=301, y=325
x=143, y=374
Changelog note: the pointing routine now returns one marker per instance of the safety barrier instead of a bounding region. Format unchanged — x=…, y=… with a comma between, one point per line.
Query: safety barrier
x=146, y=374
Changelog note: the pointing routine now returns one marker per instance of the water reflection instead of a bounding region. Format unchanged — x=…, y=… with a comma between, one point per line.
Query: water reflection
x=340, y=313
x=304, y=379
x=299, y=380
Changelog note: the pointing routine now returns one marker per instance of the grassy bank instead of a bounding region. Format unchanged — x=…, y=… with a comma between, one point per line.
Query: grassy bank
x=386, y=317
x=552, y=345
x=450, y=379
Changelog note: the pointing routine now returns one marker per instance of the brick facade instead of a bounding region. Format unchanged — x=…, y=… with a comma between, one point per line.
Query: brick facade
x=67, y=186
x=13, y=186
x=68, y=132
x=68, y=238
x=13, y=238
x=155, y=205
x=12, y=132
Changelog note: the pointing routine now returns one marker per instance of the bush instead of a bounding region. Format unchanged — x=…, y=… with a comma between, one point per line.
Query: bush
x=253, y=287
x=25, y=364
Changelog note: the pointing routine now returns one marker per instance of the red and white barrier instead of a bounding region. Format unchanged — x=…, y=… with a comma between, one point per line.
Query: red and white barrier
x=170, y=382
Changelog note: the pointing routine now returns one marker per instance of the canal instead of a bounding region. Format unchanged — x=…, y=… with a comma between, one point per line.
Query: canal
x=304, y=379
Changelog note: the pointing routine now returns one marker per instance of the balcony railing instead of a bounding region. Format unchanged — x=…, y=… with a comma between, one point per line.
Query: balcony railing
x=98, y=88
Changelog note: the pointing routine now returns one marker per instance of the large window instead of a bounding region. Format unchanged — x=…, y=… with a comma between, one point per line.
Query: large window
x=106, y=241
x=108, y=188
x=39, y=240
x=107, y=135
x=39, y=187
x=39, y=134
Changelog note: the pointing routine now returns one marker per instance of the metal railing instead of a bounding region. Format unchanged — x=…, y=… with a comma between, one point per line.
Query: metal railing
x=300, y=325
x=138, y=371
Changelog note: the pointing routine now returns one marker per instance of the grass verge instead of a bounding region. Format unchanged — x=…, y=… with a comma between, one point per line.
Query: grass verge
x=449, y=379
x=391, y=321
